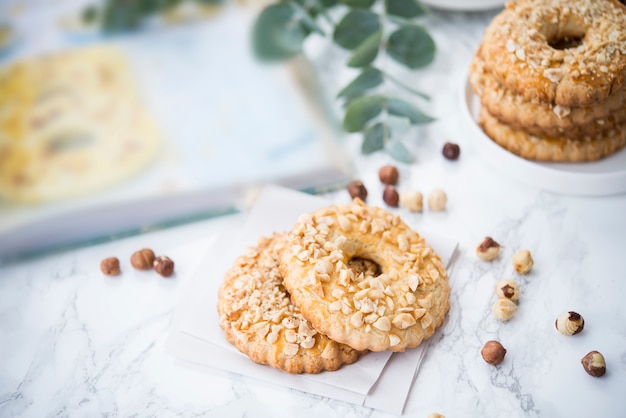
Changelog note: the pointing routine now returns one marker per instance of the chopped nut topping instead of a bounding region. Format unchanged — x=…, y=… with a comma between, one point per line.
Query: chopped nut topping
x=382, y=324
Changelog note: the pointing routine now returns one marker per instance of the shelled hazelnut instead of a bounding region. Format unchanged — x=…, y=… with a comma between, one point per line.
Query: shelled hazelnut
x=594, y=364
x=437, y=200
x=388, y=174
x=451, y=151
x=569, y=323
x=493, y=352
x=436, y=415
x=164, y=265
x=390, y=196
x=412, y=200
x=488, y=249
x=110, y=266
x=522, y=261
x=504, y=309
x=142, y=259
x=357, y=189
x=507, y=289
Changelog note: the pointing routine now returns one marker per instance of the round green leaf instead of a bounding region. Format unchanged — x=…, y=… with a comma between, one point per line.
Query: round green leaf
x=374, y=138
x=305, y=18
x=404, y=8
x=411, y=46
x=358, y=4
x=399, y=107
x=360, y=111
x=398, y=151
x=368, y=79
x=278, y=34
x=355, y=27
x=366, y=53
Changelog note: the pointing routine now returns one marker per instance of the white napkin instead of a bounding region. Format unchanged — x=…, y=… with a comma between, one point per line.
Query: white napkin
x=377, y=380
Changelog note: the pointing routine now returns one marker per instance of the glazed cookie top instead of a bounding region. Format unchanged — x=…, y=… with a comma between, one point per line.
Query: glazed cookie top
x=361, y=276
x=567, y=52
x=259, y=319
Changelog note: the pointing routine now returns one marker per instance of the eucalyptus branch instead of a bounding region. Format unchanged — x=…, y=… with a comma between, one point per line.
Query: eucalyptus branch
x=281, y=29
x=405, y=87
x=124, y=15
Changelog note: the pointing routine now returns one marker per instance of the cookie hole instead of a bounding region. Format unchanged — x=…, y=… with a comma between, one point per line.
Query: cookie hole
x=365, y=266
x=567, y=36
x=566, y=42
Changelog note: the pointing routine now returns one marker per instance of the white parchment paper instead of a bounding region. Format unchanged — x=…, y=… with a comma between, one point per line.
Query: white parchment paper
x=377, y=380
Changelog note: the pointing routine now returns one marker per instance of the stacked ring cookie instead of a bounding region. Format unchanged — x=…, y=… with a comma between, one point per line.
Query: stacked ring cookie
x=551, y=77
x=259, y=319
x=394, y=305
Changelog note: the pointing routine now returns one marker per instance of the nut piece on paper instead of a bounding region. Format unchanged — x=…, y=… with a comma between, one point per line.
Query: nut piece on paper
x=356, y=188
x=493, y=352
x=437, y=200
x=522, y=261
x=570, y=323
x=594, y=364
x=412, y=200
x=488, y=249
x=390, y=196
x=388, y=174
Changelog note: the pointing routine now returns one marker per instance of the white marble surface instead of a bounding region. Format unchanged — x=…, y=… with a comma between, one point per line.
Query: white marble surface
x=74, y=343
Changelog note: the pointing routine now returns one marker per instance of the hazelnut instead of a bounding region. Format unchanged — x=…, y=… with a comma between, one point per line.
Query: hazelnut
x=507, y=289
x=164, y=265
x=493, y=352
x=357, y=189
x=390, y=196
x=504, y=309
x=412, y=200
x=594, y=364
x=110, y=266
x=522, y=261
x=569, y=323
x=488, y=249
x=437, y=200
x=388, y=174
x=451, y=151
x=142, y=259
x=436, y=415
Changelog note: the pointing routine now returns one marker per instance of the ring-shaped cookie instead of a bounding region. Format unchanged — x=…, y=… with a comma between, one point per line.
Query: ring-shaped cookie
x=259, y=319
x=553, y=149
x=546, y=119
x=395, y=309
x=566, y=52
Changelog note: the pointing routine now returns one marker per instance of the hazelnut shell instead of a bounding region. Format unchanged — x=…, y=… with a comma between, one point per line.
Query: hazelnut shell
x=388, y=174
x=164, y=265
x=142, y=259
x=357, y=189
x=493, y=352
x=570, y=323
x=110, y=266
x=594, y=364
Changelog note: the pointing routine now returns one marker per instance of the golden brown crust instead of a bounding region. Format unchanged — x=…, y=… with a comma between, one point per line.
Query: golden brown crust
x=517, y=50
x=542, y=118
x=259, y=319
x=556, y=149
x=395, y=309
